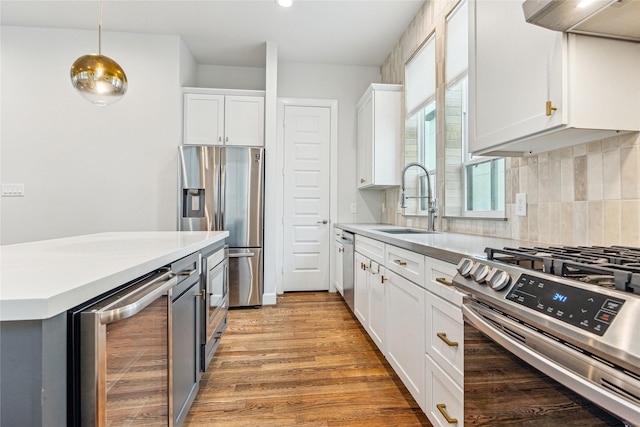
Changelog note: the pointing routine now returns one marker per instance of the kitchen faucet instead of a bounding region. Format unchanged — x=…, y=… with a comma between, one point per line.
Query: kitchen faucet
x=431, y=208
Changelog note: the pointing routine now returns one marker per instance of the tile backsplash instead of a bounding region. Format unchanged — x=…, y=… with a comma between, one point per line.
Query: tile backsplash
x=588, y=194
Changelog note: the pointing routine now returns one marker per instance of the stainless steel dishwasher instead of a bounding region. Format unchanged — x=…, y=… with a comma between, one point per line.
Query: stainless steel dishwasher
x=347, y=268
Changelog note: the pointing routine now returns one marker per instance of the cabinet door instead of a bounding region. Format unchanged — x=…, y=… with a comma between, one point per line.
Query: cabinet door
x=361, y=289
x=186, y=320
x=377, y=324
x=339, y=249
x=203, y=119
x=406, y=333
x=514, y=69
x=244, y=120
x=365, y=143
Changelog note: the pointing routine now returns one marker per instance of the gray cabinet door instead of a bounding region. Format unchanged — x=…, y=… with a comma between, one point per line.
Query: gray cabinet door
x=187, y=318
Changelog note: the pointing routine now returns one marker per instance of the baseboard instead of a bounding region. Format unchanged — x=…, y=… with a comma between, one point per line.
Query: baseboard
x=269, y=299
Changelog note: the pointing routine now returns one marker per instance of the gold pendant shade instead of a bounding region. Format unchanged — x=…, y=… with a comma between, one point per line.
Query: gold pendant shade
x=99, y=79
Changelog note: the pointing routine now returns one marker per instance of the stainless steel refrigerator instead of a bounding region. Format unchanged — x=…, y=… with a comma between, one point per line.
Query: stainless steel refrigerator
x=222, y=188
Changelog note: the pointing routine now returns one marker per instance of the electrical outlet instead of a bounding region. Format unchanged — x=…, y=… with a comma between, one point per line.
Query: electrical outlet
x=521, y=204
x=409, y=222
x=12, y=190
x=382, y=207
x=399, y=208
x=354, y=208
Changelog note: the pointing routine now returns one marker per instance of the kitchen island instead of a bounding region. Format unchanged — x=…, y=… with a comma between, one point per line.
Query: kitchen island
x=40, y=281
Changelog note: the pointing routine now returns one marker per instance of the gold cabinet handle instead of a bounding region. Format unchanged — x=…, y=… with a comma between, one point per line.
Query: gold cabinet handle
x=202, y=295
x=400, y=262
x=362, y=180
x=550, y=108
x=383, y=279
x=443, y=281
x=443, y=337
x=340, y=250
x=443, y=410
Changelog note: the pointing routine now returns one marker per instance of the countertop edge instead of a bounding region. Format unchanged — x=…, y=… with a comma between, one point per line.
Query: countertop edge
x=48, y=307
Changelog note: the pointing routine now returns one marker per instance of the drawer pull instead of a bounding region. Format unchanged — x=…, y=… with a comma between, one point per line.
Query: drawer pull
x=400, y=262
x=443, y=281
x=383, y=279
x=443, y=410
x=202, y=295
x=443, y=337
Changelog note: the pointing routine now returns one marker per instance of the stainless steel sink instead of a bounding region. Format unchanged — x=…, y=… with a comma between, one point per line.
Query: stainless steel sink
x=405, y=231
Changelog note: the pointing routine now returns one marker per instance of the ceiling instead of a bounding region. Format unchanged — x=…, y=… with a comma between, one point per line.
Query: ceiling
x=233, y=32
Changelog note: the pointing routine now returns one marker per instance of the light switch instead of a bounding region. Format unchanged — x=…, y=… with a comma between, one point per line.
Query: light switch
x=12, y=190
x=521, y=204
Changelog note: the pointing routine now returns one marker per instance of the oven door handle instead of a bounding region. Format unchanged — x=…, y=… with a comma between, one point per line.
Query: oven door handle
x=474, y=315
x=135, y=301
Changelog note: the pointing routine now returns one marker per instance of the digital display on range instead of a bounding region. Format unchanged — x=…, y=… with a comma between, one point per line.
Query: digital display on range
x=583, y=308
x=560, y=297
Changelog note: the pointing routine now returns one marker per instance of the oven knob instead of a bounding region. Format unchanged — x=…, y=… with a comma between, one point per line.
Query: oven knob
x=479, y=272
x=499, y=280
x=464, y=267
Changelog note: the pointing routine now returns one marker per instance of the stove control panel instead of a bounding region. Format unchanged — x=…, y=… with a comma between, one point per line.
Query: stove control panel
x=579, y=307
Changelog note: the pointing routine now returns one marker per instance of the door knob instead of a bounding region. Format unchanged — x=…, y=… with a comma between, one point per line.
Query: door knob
x=324, y=221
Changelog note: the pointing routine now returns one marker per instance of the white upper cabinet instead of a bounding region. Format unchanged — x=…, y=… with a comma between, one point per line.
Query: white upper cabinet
x=533, y=90
x=379, y=121
x=212, y=117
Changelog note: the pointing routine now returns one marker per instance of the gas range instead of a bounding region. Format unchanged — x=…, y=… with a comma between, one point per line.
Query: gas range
x=571, y=312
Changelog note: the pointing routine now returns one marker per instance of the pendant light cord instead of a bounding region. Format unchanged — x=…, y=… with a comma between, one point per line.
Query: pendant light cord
x=100, y=31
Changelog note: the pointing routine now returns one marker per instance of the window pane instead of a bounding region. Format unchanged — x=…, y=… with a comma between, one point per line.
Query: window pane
x=485, y=186
x=428, y=157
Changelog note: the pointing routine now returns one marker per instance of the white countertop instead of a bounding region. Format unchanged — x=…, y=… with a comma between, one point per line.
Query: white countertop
x=446, y=246
x=39, y=280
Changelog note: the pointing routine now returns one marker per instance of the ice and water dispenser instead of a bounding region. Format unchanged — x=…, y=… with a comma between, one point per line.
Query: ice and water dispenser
x=193, y=202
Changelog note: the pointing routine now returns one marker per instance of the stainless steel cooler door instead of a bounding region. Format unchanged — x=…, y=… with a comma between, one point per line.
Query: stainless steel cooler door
x=245, y=277
x=198, y=188
x=242, y=183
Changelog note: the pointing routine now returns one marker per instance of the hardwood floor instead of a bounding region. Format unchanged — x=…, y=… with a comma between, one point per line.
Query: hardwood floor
x=304, y=362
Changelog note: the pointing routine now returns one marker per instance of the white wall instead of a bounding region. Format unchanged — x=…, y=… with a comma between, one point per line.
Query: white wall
x=87, y=169
x=346, y=84
x=224, y=77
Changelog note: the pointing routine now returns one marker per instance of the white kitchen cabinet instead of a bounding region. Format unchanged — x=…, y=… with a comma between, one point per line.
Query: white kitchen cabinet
x=406, y=333
x=376, y=324
x=215, y=117
x=516, y=69
x=444, y=327
x=361, y=288
x=445, y=399
x=379, y=129
x=406, y=263
x=370, y=302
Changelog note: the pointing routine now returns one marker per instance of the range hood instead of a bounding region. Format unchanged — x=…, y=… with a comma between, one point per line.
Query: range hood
x=605, y=18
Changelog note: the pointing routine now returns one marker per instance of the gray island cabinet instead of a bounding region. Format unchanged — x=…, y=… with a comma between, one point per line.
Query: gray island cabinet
x=41, y=281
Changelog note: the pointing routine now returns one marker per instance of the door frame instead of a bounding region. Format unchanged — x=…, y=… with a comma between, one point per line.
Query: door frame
x=332, y=104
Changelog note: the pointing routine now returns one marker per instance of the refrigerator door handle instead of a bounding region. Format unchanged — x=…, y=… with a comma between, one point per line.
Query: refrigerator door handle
x=223, y=188
x=243, y=255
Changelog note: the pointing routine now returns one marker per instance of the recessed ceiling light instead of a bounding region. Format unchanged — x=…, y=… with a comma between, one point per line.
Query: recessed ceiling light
x=285, y=3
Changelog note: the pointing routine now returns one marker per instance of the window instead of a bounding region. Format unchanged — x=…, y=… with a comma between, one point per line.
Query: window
x=420, y=126
x=474, y=185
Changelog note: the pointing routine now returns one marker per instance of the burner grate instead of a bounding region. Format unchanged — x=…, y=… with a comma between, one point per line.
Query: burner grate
x=615, y=267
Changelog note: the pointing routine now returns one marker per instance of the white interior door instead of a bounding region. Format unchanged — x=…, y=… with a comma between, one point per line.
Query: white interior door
x=306, y=226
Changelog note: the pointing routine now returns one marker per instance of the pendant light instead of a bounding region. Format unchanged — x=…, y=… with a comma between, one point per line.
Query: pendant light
x=98, y=78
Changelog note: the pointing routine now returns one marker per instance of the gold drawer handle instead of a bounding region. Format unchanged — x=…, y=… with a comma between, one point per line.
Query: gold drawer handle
x=443, y=410
x=443, y=281
x=550, y=108
x=202, y=295
x=362, y=180
x=383, y=279
x=400, y=262
x=443, y=337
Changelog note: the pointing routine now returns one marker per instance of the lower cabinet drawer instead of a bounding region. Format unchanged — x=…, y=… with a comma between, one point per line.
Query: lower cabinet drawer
x=409, y=265
x=445, y=399
x=445, y=336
